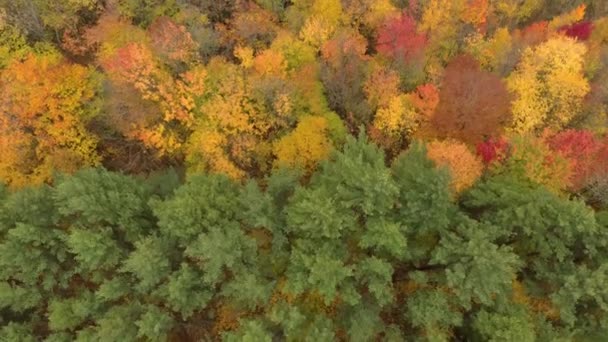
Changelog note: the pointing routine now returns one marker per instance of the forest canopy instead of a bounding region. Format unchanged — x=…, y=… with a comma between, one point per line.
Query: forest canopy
x=310, y=170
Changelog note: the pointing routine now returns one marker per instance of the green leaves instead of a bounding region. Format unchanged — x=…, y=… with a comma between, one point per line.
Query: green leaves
x=476, y=268
x=204, y=202
x=97, y=197
x=361, y=252
x=94, y=250
x=513, y=325
x=68, y=313
x=149, y=262
x=154, y=324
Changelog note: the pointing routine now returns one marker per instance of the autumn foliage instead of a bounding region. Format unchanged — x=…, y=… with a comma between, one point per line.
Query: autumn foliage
x=465, y=167
x=398, y=38
x=46, y=105
x=303, y=170
x=473, y=104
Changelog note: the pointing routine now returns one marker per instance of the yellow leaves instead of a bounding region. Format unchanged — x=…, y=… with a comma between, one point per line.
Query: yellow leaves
x=465, y=167
x=531, y=158
x=440, y=21
x=379, y=11
x=322, y=22
x=571, y=17
x=245, y=55
x=549, y=85
x=316, y=31
x=305, y=146
x=398, y=117
x=206, y=154
x=135, y=65
x=492, y=53
x=46, y=105
x=518, y=9
x=179, y=101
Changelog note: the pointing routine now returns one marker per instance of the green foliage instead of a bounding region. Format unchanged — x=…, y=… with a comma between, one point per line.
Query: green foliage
x=359, y=250
x=154, y=324
x=512, y=325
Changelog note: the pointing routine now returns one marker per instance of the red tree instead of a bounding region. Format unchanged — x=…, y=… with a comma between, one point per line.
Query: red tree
x=493, y=150
x=398, y=38
x=473, y=104
x=580, y=31
x=584, y=151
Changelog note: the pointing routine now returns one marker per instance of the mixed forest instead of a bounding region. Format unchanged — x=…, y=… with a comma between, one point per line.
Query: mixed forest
x=304, y=170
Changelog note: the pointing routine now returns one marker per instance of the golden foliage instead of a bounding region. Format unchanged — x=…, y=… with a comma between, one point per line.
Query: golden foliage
x=45, y=107
x=134, y=65
x=549, y=85
x=305, y=146
x=465, y=167
x=492, y=53
x=381, y=86
x=531, y=158
x=398, y=117
x=270, y=63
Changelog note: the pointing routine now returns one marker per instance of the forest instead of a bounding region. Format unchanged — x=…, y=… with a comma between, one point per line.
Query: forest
x=304, y=170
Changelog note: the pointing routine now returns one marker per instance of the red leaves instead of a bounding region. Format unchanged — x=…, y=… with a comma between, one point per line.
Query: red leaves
x=473, y=103
x=580, y=31
x=586, y=154
x=493, y=149
x=398, y=38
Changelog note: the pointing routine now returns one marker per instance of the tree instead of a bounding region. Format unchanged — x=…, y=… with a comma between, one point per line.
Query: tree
x=465, y=168
x=549, y=85
x=46, y=107
x=305, y=146
x=582, y=150
x=38, y=17
x=473, y=104
x=398, y=38
x=172, y=41
x=529, y=159
x=343, y=73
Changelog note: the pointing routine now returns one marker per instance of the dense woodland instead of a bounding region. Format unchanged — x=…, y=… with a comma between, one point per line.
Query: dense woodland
x=304, y=170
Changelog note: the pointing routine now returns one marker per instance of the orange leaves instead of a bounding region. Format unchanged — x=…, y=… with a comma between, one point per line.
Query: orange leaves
x=270, y=63
x=426, y=98
x=47, y=103
x=476, y=12
x=135, y=65
x=465, y=168
x=345, y=44
x=381, y=86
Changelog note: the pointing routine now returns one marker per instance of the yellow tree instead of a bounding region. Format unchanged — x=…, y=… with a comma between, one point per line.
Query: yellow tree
x=46, y=105
x=305, y=146
x=324, y=16
x=233, y=135
x=549, y=85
